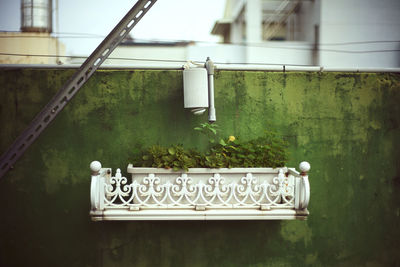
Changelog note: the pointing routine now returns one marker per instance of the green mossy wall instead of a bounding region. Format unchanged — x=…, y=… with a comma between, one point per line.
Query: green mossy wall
x=345, y=124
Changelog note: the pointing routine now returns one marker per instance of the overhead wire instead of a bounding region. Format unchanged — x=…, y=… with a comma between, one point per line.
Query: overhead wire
x=294, y=48
x=163, y=60
x=154, y=60
x=83, y=57
x=262, y=45
x=161, y=41
x=299, y=48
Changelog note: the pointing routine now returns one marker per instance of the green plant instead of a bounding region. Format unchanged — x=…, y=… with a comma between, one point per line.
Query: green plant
x=266, y=151
x=210, y=130
x=173, y=157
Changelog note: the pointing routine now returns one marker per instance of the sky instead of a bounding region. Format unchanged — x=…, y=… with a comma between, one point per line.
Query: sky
x=166, y=20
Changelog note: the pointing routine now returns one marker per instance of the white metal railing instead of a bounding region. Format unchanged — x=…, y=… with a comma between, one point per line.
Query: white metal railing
x=200, y=194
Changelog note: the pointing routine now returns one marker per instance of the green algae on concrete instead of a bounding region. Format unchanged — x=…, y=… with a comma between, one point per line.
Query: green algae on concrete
x=345, y=124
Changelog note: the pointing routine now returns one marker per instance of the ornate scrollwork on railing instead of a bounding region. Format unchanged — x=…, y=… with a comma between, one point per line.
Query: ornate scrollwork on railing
x=117, y=189
x=150, y=192
x=283, y=190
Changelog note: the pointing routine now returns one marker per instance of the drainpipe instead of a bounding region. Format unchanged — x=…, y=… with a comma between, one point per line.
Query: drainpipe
x=211, y=108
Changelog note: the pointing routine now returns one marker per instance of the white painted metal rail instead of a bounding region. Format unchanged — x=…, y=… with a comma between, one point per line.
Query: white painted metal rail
x=218, y=66
x=200, y=194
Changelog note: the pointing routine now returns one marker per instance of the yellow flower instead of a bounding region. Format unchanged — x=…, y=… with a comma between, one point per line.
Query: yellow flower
x=231, y=138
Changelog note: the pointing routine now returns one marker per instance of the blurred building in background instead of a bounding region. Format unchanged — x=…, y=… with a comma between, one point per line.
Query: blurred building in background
x=149, y=52
x=30, y=48
x=335, y=34
x=34, y=43
x=341, y=33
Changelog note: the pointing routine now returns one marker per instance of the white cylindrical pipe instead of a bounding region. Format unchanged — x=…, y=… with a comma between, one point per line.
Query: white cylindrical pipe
x=211, y=108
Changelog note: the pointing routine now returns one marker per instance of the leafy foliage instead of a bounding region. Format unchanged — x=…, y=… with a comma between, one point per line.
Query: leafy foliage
x=175, y=157
x=266, y=151
x=209, y=130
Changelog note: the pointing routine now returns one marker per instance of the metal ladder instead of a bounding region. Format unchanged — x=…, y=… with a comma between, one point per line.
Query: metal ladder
x=72, y=86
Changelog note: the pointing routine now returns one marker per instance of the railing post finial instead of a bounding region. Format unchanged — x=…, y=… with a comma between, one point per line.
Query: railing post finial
x=95, y=166
x=304, y=168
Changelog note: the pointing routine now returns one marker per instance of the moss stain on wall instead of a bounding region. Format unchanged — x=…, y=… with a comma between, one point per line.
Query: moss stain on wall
x=345, y=124
x=295, y=231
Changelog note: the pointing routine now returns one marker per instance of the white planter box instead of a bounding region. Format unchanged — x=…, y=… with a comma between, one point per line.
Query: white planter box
x=200, y=194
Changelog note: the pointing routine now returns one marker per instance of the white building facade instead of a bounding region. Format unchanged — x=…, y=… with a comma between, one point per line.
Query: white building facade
x=340, y=33
x=329, y=34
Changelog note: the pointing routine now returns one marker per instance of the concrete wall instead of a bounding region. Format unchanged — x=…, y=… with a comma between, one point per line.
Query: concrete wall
x=123, y=52
x=30, y=43
x=278, y=52
x=271, y=52
x=345, y=124
x=358, y=21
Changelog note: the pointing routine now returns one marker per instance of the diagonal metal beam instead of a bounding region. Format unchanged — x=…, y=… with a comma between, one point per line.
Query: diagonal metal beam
x=72, y=86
